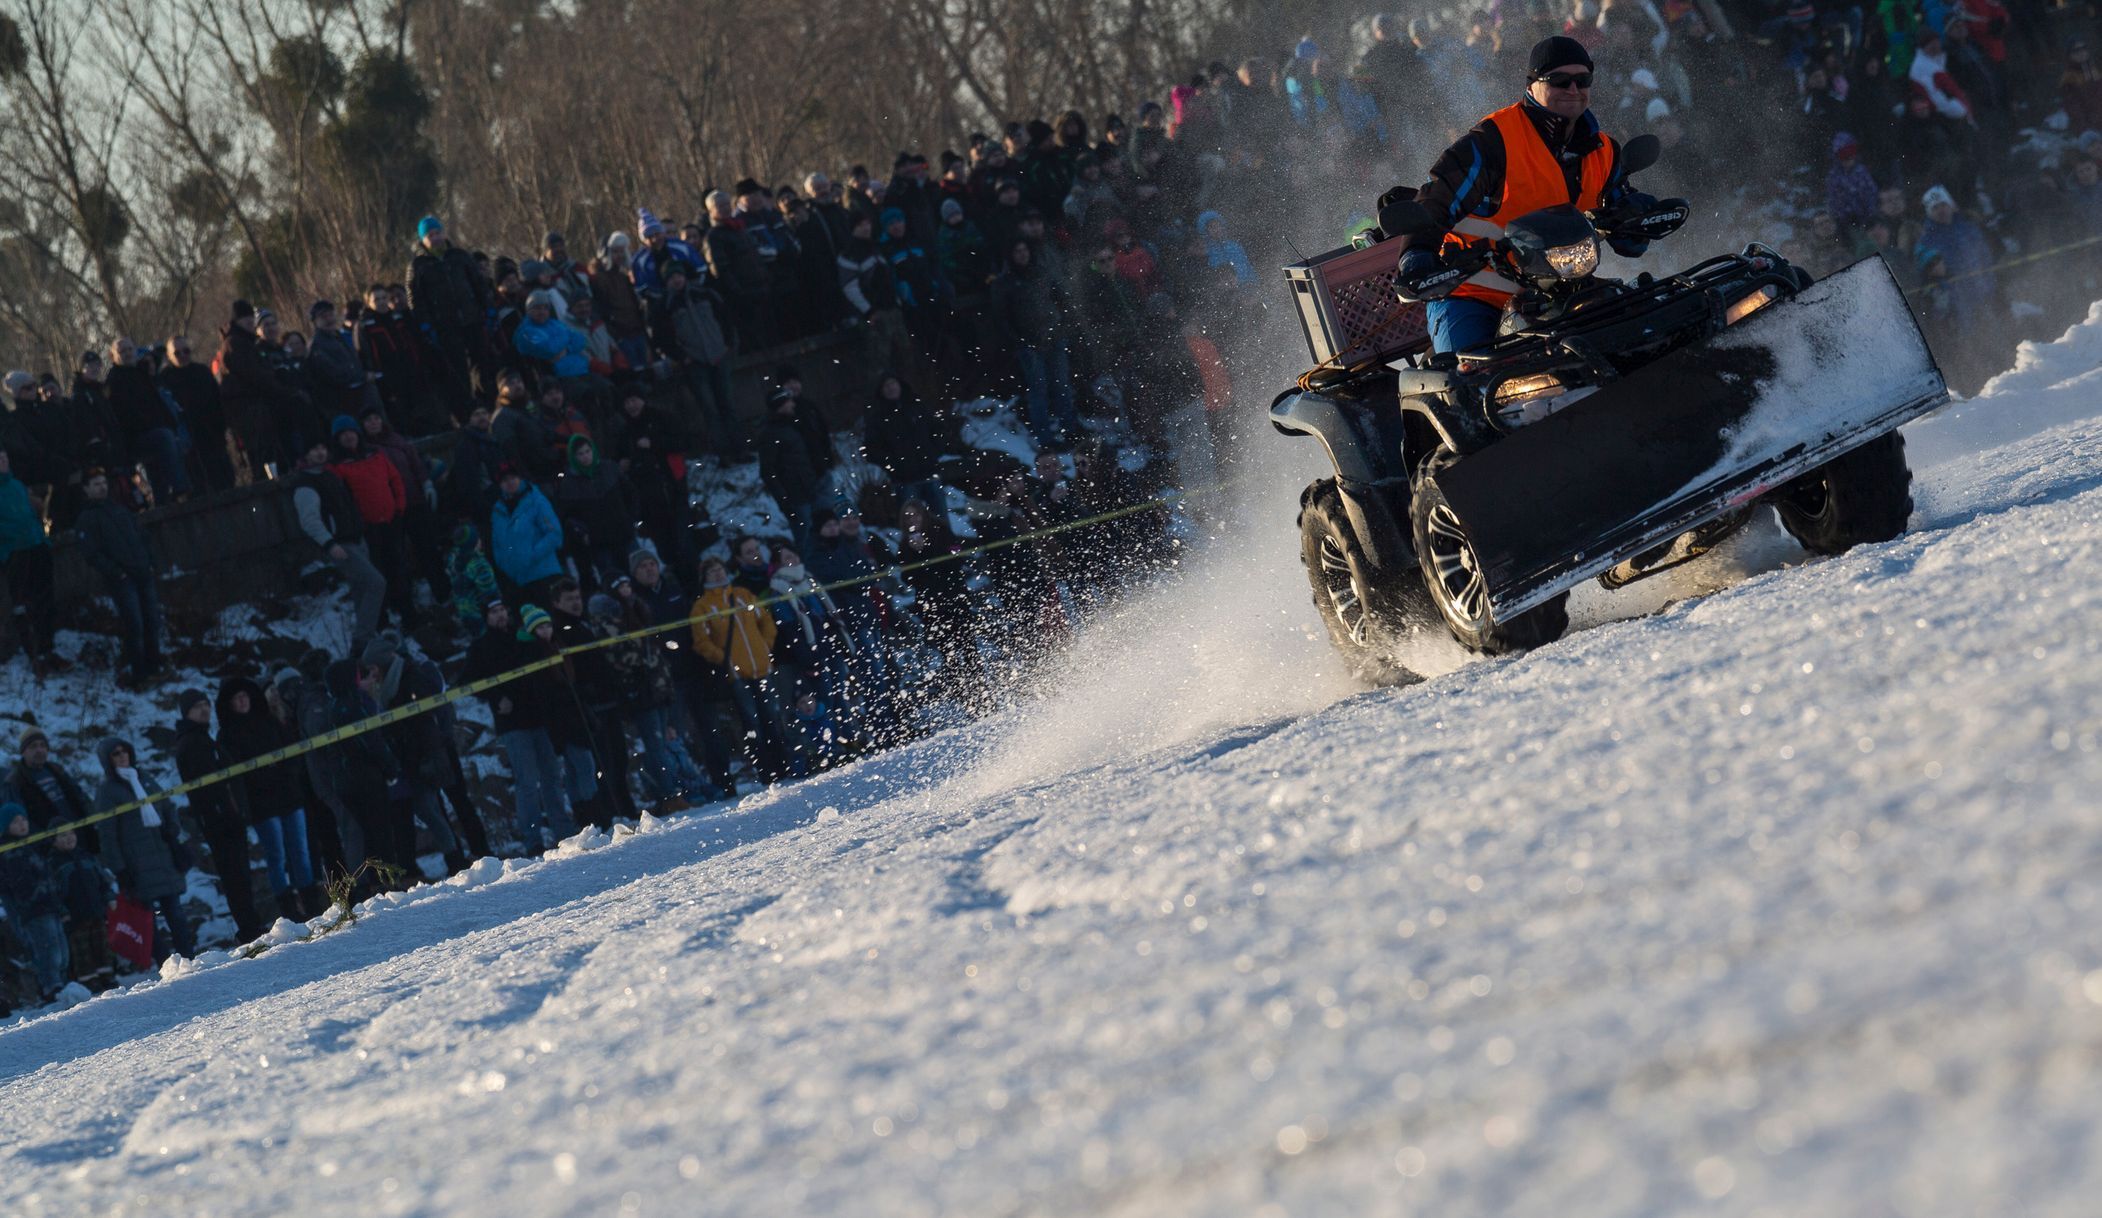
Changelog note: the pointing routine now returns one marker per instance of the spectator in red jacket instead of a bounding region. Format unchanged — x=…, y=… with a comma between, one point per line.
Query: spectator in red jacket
x=382, y=498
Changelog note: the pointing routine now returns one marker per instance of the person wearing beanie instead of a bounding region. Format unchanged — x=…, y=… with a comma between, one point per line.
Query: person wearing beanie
x=220, y=809
x=30, y=895
x=519, y=709
x=382, y=499
x=45, y=788
x=450, y=293
x=1543, y=150
x=659, y=247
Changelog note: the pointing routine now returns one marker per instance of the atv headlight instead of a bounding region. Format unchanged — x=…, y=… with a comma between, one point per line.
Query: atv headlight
x=1750, y=303
x=1576, y=260
x=1521, y=389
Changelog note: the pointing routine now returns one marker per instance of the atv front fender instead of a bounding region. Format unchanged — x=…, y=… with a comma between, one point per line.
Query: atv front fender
x=1364, y=473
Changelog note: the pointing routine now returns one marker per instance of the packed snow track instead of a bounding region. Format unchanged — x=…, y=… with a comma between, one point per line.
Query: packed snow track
x=1783, y=900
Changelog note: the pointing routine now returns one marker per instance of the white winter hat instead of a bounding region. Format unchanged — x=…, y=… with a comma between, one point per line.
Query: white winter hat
x=1937, y=195
x=617, y=241
x=1657, y=108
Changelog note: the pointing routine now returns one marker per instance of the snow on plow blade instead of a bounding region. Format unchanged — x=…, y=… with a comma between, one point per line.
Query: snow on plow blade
x=1693, y=435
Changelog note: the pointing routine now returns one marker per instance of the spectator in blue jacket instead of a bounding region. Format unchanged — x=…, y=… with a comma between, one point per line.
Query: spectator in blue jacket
x=525, y=534
x=25, y=555
x=545, y=337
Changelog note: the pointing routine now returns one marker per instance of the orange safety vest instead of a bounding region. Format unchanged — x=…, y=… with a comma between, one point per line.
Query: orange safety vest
x=1532, y=180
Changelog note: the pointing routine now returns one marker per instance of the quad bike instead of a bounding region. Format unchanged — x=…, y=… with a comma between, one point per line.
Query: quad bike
x=1612, y=430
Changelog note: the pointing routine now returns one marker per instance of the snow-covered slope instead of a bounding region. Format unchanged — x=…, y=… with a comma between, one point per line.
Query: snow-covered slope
x=1779, y=901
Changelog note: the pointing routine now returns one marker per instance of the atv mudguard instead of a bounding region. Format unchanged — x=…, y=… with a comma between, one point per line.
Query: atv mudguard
x=1700, y=431
x=1366, y=454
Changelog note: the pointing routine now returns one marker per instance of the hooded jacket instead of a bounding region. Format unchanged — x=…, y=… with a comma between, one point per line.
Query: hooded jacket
x=525, y=537
x=596, y=498
x=142, y=856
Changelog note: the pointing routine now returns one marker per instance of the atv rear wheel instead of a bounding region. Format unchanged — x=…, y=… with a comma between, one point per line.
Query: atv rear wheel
x=1453, y=577
x=1364, y=607
x=1857, y=497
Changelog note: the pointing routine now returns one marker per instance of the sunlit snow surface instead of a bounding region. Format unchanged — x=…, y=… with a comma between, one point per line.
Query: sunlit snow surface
x=1786, y=900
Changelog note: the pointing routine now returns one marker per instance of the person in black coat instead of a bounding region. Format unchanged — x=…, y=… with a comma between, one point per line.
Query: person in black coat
x=45, y=789
x=221, y=809
x=203, y=412
x=424, y=745
x=114, y=544
x=33, y=903
x=449, y=295
x=147, y=422
x=521, y=721
x=363, y=768
x=906, y=438
x=599, y=687
x=789, y=462
x=249, y=728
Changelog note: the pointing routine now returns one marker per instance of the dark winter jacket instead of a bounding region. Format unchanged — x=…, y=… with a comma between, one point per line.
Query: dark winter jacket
x=787, y=462
x=20, y=526
x=137, y=401
x=145, y=859
x=733, y=260
x=197, y=393
x=196, y=755
x=905, y=437
x=49, y=795
x=687, y=325
x=1028, y=308
x=470, y=481
x=273, y=791
x=85, y=886
x=95, y=437
x=494, y=653
x=528, y=440
x=364, y=761
x=595, y=498
x=27, y=888
x=113, y=543
x=447, y=291
x=327, y=514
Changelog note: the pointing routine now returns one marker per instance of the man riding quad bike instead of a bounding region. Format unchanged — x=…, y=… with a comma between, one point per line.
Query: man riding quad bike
x=1556, y=426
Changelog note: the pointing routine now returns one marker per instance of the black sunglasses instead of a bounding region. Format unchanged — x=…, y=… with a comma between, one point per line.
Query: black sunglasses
x=1575, y=80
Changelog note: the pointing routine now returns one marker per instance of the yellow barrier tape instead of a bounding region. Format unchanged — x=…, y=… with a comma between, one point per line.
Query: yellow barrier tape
x=422, y=706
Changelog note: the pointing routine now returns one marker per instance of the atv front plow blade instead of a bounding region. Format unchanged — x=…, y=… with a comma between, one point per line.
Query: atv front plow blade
x=1700, y=431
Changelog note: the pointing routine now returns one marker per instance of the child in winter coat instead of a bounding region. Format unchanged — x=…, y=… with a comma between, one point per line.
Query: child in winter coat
x=473, y=579
x=86, y=889
x=31, y=898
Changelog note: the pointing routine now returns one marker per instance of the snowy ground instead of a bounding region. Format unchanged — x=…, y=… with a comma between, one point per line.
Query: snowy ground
x=1783, y=900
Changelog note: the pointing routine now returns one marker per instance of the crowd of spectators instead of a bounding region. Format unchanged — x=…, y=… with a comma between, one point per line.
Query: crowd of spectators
x=495, y=454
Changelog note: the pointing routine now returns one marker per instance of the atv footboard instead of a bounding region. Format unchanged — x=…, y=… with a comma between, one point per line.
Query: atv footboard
x=1700, y=431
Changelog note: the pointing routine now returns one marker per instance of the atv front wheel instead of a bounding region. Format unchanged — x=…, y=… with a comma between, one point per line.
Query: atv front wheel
x=1453, y=576
x=1857, y=497
x=1363, y=606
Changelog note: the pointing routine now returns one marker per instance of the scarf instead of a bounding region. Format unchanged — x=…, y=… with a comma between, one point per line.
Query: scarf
x=716, y=581
x=148, y=815
x=794, y=582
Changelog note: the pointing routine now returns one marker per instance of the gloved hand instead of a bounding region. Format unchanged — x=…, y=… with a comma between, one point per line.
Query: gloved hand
x=1633, y=205
x=1422, y=275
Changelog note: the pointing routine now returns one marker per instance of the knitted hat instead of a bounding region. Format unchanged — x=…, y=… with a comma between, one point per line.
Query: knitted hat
x=8, y=812
x=187, y=699
x=466, y=535
x=341, y=424
x=532, y=617
x=19, y=380
x=1936, y=195
x=602, y=605
x=1556, y=52
x=31, y=737
x=1844, y=143
x=428, y=225
x=891, y=215
x=951, y=209
x=637, y=556
x=380, y=652
x=532, y=269
x=494, y=602
x=647, y=224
